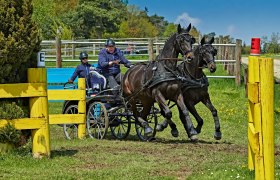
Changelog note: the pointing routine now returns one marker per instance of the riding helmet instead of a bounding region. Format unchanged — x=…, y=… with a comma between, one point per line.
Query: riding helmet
x=109, y=42
x=83, y=55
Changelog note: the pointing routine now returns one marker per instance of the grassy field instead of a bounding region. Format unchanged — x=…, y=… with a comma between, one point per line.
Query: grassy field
x=165, y=158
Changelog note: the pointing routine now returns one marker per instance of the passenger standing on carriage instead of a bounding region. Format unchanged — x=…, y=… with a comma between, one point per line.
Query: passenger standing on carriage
x=109, y=60
x=82, y=70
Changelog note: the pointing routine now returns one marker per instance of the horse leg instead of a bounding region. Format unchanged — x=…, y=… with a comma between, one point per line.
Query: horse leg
x=166, y=112
x=199, y=120
x=164, y=124
x=147, y=129
x=147, y=105
x=210, y=106
x=185, y=118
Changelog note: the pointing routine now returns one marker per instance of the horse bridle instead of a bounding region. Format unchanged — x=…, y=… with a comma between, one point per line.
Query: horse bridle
x=187, y=38
x=200, y=54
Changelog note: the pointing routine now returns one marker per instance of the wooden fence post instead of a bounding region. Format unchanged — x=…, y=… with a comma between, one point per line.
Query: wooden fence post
x=93, y=49
x=73, y=48
x=82, y=109
x=238, y=62
x=39, y=109
x=58, y=49
x=150, y=49
x=157, y=47
x=220, y=50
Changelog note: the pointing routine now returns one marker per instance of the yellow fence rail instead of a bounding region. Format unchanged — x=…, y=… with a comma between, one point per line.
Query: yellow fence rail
x=261, y=117
x=80, y=118
x=38, y=123
x=36, y=90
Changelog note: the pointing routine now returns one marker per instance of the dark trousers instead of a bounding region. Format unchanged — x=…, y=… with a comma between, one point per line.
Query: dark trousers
x=115, y=80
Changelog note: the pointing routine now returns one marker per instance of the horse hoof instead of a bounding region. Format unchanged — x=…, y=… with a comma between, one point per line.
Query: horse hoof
x=218, y=135
x=194, y=138
x=159, y=128
x=198, y=130
x=151, y=139
x=148, y=131
x=175, y=133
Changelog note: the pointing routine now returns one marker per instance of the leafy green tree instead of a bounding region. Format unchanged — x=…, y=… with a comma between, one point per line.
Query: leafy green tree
x=136, y=24
x=19, y=40
x=44, y=15
x=194, y=32
x=274, y=47
x=91, y=19
x=19, y=44
x=170, y=29
x=159, y=23
x=66, y=32
x=137, y=27
x=245, y=49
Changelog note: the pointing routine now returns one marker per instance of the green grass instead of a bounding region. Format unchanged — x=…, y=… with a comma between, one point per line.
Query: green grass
x=165, y=158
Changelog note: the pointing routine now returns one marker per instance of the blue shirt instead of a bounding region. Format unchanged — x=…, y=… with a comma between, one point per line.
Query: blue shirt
x=82, y=71
x=104, y=57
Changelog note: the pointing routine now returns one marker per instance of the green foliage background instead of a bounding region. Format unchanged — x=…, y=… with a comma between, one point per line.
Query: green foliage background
x=19, y=44
x=19, y=40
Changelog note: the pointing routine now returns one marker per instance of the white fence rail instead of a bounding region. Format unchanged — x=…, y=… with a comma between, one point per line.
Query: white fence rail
x=228, y=54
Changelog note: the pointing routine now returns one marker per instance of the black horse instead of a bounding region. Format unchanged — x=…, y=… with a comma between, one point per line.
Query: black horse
x=156, y=82
x=195, y=86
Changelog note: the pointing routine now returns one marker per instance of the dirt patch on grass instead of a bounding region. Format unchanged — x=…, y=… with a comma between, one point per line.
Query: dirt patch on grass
x=177, y=159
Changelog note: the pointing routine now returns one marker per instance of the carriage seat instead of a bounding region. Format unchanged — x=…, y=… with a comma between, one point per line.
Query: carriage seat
x=97, y=81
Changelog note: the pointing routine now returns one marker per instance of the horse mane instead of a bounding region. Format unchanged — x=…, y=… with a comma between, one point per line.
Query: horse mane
x=170, y=37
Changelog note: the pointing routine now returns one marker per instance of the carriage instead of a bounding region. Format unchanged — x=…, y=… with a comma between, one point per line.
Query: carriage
x=146, y=83
x=106, y=109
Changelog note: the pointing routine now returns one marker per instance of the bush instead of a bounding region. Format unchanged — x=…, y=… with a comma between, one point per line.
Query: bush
x=9, y=110
x=9, y=134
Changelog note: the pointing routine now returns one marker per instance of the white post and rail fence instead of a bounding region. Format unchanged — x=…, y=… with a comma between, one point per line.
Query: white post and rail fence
x=59, y=51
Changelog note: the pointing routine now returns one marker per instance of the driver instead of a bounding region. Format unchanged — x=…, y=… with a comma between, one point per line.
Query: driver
x=109, y=60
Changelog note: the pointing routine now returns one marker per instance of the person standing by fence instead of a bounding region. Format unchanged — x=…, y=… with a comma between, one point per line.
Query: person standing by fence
x=109, y=60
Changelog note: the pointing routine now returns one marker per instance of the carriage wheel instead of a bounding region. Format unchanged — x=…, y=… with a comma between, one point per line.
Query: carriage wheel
x=152, y=120
x=120, y=123
x=97, y=120
x=71, y=130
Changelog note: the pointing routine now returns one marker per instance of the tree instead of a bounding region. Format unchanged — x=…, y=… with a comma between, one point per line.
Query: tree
x=159, y=23
x=91, y=19
x=170, y=29
x=272, y=45
x=19, y=40
x=44, y=15
x=194, y=32
x=19, y=44
x=245, y=49
x=136, y=25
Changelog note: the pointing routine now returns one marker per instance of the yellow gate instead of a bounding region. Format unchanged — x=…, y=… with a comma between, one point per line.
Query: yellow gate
x=261, y=117
x=80, y=96
x=36, y=91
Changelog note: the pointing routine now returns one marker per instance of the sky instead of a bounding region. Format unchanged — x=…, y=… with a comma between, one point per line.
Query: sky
x=241, y=19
